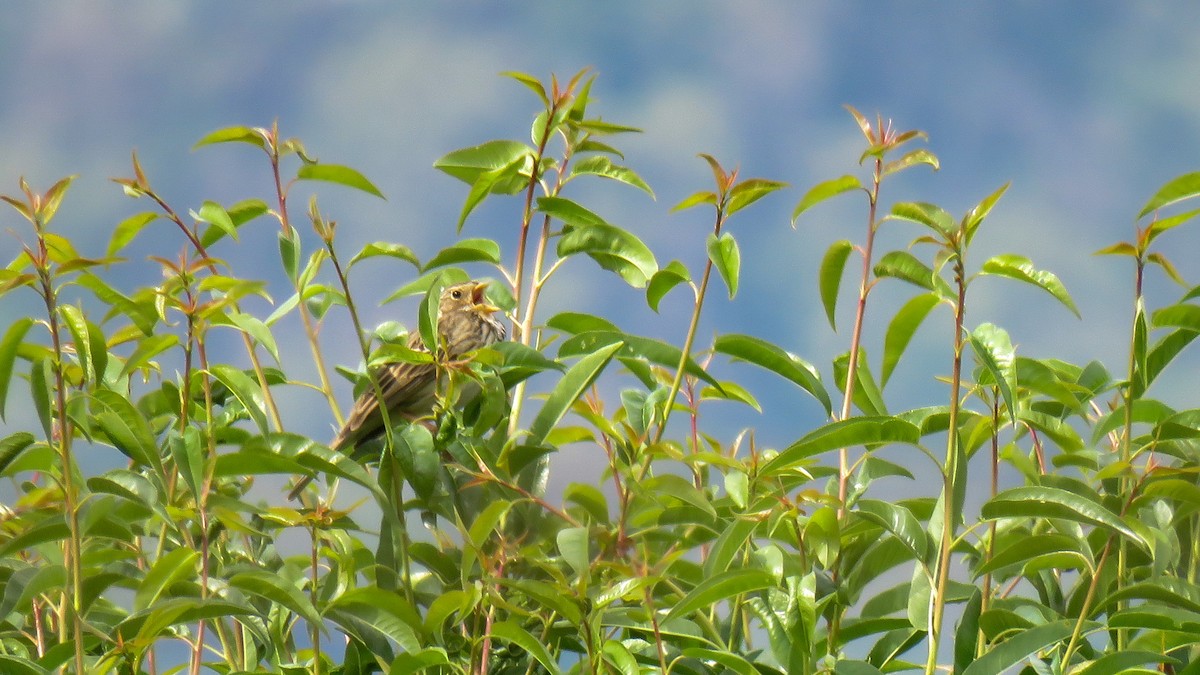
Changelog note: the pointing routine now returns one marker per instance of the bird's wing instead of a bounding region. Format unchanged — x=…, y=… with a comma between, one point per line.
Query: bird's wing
x=404, y=386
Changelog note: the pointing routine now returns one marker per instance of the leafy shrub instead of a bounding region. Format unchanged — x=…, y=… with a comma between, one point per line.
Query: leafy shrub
x=696, y=552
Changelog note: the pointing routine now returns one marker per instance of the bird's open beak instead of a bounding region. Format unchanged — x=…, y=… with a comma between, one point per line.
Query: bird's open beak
x=479, y=302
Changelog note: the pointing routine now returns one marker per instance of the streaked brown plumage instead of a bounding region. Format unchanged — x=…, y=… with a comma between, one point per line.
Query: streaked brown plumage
x=465, y=322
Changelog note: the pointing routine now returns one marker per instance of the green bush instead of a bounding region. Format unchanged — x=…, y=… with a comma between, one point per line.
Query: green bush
x=696, y=552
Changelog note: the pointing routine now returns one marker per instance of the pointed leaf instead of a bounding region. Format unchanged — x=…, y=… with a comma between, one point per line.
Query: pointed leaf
x=868, y=431
x=749, y=191
x=506, y=179
x=9, y=345
x=911, y=159
x=232, y=135
x=569, y=212
x=1039, y=501
x=1175, y=190
x=899, y=521
x=530, y=81
x=906, y=267
x=929, y=215
x=725, y=256
x=568, y=389
x=612, y=248
x=981, y=210
x=995, y=351
x=664, y=280
x=510, y=631
x=466, y=251
x=1016, y=648
x=822, y=191
x=766, y=355
x=389, y=249
x=599, y=165
x=901, y=329
x=468, y=163
x=1022, y=269
x=246, y=390
x=342, y=175
x=720, y=587
x=702, y=197
x=830, y=281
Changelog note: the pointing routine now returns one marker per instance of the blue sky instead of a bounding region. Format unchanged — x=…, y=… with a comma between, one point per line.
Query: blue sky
x=1087, y=109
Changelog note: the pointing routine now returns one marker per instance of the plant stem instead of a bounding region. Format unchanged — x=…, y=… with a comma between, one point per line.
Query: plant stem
x=950, y=470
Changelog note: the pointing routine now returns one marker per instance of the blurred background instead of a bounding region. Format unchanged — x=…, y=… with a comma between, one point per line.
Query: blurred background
x=1087, y=110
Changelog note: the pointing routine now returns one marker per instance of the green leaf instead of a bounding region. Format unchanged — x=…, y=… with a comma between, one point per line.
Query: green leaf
x=125, y=428
x=342, y=175
x=749, y=191
x=501, y=180
x=529, y=81
x=910, y=159
x=509, y=631
x=389, y=249
x=664, y=280
x=232, y=135
x=16, y=665
x=612, y=248
x=599, y=165
x=374, y=615
x=901, y=329
x=766, y=355
x=176, y=565
x=466, y=251
x=1031, y=547
x=702, y=197
x=1021, y=269
x=723, y=586
x=929, y=215
x=216, y=215
x=635, y=347
x=1038, y=501
x=868, y=431
x=900, y=522
x=11, y=448
x=1016, y=648
x=277, y=590
x=981, y=210
x=832, y=267
x=730, y=661
x=995, y=351
x=906, y=267
x=142, y=313
x=573, y=546
x=725, y=256
x=569, y=212
x=126, y=230
x=1178, y=189
x=822, y=191
x=1126, y=661
x=9, y=345
x=246, y=390
x=568, y=389
x=468, y=163
x=576, y=322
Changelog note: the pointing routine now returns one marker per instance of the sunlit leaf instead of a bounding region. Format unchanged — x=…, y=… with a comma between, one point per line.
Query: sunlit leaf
x=246, y=390
x=664, y=280
x=1016, y=648
x=530, y=81
x=1176, y=190
x=1038, y=501
x=911, y=159
x=8, y=354
x=929, y=215
x=614, y=249
x=766, y=355
x=389, y=249
x=726, y=257
x=466, y=251
x=906, y=267
x=720, y=587
x=232, y=135
x=468, y=163
x=995, y=351
x=830, y=277
x=749, y=191
x=901, y=329
x=342, y=175
x=599, y=165
x=572, y=385
x=569, y=211
x=899, y=521
x=1020, y=268
x=869, y=431
x=510, y=631
x=822, y=191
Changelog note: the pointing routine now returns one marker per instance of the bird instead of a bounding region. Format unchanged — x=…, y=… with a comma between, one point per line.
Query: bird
x=466, y=322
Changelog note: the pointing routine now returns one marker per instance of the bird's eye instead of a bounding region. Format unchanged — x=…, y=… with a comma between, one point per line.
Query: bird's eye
x=456, y=294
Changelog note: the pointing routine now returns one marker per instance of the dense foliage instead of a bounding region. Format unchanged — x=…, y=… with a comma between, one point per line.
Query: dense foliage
x=696, y=552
